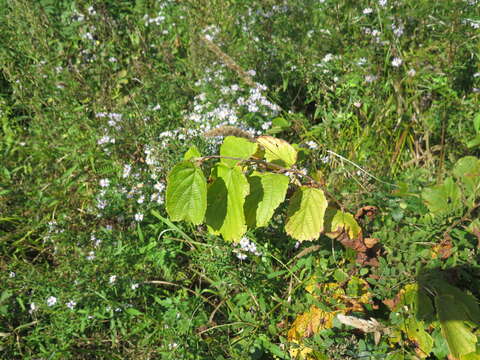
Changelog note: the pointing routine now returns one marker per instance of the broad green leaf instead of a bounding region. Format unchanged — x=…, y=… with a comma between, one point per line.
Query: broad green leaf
x=474, y=142
x=467, y=170
x=461, y=341
x=236, y=147
x=186, y=195
x=466, y=303
x=278, y=151
x=192, y=153
x=342, y=221
x=226, y=198
x=267, y=191
x=442, y=199
x=305, y=214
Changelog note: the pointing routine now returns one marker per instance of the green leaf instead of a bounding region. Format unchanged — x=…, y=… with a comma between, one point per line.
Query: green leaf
x=267, y=191
x=278, y=151
x=226, y=198
x=133, y=312
x=474, y=142
x=305, y=214
x=192, y=153
x=442, y=199
x=415, y=331
x=476, y=123
x=467, y=170
x=342, y=221
x=461, y=341
x=186, y=195
x=236, y=147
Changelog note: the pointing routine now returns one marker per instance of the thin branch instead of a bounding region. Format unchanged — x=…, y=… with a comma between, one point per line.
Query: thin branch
x=359, y=168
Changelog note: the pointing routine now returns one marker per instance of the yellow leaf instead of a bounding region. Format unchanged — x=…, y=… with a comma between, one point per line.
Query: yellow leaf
x=310, y=323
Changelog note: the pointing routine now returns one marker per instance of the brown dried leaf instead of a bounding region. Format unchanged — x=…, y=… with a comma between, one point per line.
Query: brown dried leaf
x=443, y=250
x=370, y=211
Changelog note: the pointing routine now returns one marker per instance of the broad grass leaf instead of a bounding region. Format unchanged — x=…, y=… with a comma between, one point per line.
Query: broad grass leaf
x=236, y=147
x=226, y=198
x=267, y=191
x=442, y=199
x=278, y=151
x=186, y=196
x=305, y=214
x=461, y=341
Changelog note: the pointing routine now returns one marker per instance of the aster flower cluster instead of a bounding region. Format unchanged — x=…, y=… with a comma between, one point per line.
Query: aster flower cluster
x=246, y=246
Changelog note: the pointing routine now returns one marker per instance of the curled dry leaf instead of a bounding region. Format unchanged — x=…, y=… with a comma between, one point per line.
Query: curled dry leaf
x=367, y=326
x=443, y=250
x=343, y=227
x=369, y=211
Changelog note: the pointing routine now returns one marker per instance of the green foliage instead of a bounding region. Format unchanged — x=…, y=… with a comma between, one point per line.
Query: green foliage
x=229, y=210
x=267, y=192
x=444, y=198
x=278, y=151
x=236, y=147
x=186, y=193
x=305, y=214
x=226, y=196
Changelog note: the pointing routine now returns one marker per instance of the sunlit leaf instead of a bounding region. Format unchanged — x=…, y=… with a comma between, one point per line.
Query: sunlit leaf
x=305, y=214
x=467, y=170
x=267, y=191
x=192, y=153
x=236, y=147
x=310, y=323
x=442, y=199
x=342, y=221
x=186, y=195
x=226, y=197
x=278, y=151
x=461, y=341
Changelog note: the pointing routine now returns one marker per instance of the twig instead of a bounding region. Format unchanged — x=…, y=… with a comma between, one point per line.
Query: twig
x=359, y=168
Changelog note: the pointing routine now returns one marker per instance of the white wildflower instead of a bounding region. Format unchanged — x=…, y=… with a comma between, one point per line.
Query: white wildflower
x=367, y=11
x=104, y=182
x=112, y=279
x=361, y=61
x=71, y=304
x=396, y=62
x=138, y=217
x=52, y=300
x=33, y=308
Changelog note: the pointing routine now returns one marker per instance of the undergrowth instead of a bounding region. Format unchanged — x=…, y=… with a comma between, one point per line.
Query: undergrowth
x=100, y=100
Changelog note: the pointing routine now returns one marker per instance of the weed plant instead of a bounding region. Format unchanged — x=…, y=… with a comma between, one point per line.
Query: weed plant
x=99, y=100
